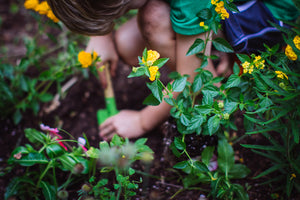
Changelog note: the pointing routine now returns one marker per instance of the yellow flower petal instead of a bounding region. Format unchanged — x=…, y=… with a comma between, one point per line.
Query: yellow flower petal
x=85, y=59
x=31, y=4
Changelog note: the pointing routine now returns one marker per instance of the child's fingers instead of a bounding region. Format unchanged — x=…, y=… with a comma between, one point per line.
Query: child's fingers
x=107, y=129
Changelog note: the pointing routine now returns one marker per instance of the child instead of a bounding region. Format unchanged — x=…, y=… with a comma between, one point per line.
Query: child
x=169, y=27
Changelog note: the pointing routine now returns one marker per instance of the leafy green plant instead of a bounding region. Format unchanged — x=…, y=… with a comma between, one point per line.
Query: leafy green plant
x=34, y=78
x=43, y=160
x=264, y=87
x=116, y=157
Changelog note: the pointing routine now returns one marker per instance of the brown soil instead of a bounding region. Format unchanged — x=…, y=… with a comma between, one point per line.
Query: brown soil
x=77, y=114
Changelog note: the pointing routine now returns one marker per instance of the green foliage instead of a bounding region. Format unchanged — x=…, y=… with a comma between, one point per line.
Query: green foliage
x=116, y=157
x=47, y=157
x=33, y=79
x=264, y=87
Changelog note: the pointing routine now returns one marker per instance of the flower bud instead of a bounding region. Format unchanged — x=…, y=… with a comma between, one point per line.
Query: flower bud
x=86, y=187
x=63, y=194
x=226, y=116
x=221, y=104
x=78, y=168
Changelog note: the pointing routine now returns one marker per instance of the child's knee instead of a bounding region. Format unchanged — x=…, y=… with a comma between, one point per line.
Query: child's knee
x=154, y=22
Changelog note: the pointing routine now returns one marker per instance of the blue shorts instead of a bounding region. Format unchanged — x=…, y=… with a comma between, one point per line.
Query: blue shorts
x=249, y=29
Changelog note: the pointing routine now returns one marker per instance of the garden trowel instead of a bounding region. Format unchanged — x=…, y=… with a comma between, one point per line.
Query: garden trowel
x=110, y=102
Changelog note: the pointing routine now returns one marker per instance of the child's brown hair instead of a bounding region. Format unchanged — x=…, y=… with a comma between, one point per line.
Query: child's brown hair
x=89, y=17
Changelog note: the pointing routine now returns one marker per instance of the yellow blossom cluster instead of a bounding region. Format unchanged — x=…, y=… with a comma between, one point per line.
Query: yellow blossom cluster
x=219, y=8
x=152, y=56
x=247, y=67
x=296, y=41
x=153, y=71
x=42, y=8
x=258, y=62
x=281, y=75
x=289, y=52
x=86, y=59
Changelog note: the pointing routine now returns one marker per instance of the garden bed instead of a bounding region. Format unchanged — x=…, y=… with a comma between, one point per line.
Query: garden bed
x=76, y=114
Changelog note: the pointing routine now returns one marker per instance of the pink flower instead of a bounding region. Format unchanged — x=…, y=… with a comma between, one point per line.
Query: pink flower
x=81, y=142
x=54, y=132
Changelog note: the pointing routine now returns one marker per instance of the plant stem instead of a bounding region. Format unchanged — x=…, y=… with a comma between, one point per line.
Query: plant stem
x=44, y=173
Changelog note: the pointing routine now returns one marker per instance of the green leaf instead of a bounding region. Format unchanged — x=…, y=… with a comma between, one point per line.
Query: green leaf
x=49, y=192
x=243, y=57
x=156, y=89
x=196, y=47
x=261, y=147
x=230, y=107
x=233, y=81
x=45, y=97
x=197, y=84
x=270, y=170
x=103, y=145
x=140, y=71
x=201, y=166
x=160, y=62
x=151, y=100
x=184, y=120
x=222, y=45
x=67, y=162
x=204, y=14
x=54, y=150
x=15, y=184
x=225, y=156
x=196, y=121
x=93, y=152
x=213, y=124
x=179, y=84
x=207, y=97
x=32, y=159
x=240, y=192
x=181, y=165
x=17, y=116
x=179, y=144
x=35, y=136
x=207, y=154
x=238, y=171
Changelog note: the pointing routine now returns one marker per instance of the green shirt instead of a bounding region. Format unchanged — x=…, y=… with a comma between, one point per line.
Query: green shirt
x=185, y=22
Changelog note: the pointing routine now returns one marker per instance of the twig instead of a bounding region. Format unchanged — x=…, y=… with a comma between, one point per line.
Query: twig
x=55, y=102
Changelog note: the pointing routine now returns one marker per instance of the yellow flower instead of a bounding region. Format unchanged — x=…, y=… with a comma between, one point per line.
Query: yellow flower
x=95, y=55
x=281, y=75
x=293, y=176
x=51, y=16
x=290, y=53
x=224, y=13
x=220, y=4
x=42, y=8
x=152, y=56
x=31, y=4
x=85, y=59
x=247, y=67
x=201, y=24
x=296, y=41
x=259, y=62
x=153, y=71
x=214, y=2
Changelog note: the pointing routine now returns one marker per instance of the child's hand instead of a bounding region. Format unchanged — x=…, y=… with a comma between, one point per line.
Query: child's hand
x=126, y=124
x=104, y=46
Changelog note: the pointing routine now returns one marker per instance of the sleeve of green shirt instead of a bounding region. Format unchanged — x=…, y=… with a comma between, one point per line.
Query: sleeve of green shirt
x=185, y=21
x=184, y=16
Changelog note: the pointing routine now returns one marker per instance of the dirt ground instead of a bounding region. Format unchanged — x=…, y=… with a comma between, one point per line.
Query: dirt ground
x=77, y=114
